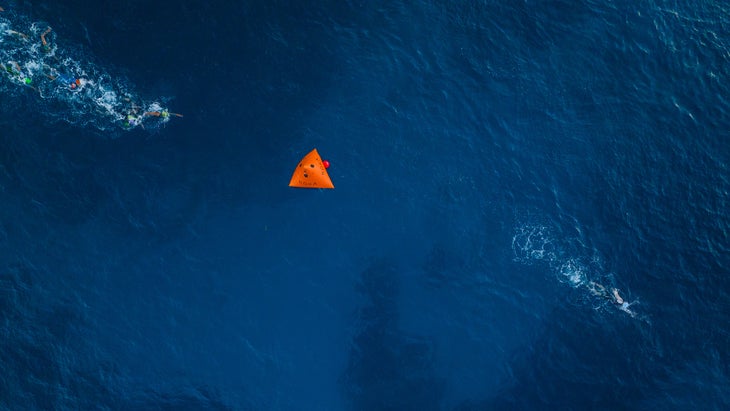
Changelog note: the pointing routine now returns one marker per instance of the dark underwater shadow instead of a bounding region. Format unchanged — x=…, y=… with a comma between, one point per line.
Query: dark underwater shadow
x=387, y=370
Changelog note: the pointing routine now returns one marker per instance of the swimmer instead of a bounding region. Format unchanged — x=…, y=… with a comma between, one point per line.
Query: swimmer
x=622, y=305
x=614, y=296
x=13, y=69
x=1, y=9
x=617, y=297
x=15, y=72
x=70, y=81
x=600, y=291
x=133, y=118
x=17, y=33
x=163, y=114
x=46, y=47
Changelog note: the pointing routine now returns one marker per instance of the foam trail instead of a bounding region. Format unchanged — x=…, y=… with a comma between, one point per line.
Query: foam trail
x=535, y=243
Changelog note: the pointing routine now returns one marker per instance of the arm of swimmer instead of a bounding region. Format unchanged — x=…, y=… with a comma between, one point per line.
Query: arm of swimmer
x=17, y=33
x=161, y=114
x=43, y=36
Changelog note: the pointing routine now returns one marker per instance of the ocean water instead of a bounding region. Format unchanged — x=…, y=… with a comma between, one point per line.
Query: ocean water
x=500, y=168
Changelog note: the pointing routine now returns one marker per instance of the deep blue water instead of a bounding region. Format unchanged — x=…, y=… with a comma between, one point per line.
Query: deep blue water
x=493, y=163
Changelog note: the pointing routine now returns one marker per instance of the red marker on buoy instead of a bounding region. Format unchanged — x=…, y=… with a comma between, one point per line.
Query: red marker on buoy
x=326, y=163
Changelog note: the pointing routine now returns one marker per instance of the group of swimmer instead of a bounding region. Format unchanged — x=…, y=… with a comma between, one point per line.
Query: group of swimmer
x=131, y=117
x=15, y=71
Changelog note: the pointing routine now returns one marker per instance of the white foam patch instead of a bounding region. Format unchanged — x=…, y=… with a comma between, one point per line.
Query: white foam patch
x=573, y=273
x=533, y=243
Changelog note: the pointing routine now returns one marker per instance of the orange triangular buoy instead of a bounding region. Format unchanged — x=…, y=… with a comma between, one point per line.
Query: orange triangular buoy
x=311, y=173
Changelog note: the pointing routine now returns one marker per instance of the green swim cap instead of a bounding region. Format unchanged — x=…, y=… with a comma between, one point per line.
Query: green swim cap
x=165, y=114
x=28, y=80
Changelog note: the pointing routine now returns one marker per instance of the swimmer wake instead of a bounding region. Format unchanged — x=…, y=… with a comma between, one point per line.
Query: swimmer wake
x=536, y=243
